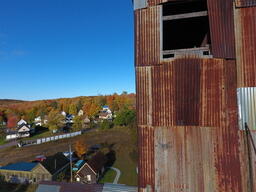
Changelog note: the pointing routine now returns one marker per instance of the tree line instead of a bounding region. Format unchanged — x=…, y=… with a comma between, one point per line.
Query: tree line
x=121, y=104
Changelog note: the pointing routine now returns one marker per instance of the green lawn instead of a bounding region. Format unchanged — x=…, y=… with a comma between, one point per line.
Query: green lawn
x=121, y=139
x=108, y=177
x=127, y=167
x=40, y=135
x=2, y=140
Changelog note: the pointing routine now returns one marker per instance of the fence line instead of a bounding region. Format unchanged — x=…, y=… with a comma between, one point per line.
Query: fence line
x=51, y=138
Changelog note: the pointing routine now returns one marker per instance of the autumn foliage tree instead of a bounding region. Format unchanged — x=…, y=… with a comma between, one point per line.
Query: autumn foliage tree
x=91, y=109
x=80, y=148
x=12, y=121
x=78, y=123
x=55, y=120
x=90, y=105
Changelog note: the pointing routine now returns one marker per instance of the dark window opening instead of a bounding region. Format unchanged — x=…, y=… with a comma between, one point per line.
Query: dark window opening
x=168, y=56
x=185, y=26
x=185, y=33
x=181, y=7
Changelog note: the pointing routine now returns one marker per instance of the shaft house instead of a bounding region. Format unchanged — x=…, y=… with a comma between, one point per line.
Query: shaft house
x=196, y=95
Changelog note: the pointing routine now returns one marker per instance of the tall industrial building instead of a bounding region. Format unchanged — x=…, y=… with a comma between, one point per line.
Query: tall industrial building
x=196, y=97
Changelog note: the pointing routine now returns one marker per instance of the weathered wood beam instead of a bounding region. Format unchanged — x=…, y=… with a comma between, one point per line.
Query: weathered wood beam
x=186, y=15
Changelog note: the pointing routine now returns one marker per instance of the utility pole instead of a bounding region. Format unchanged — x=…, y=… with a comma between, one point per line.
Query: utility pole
x=70, y=161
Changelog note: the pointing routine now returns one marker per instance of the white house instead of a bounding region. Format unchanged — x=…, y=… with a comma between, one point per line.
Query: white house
x=105, y=113
x=22, y=131
x=86, y=120
x=69, y=118
x=22, y=121
x=63, y=113
x=80, y=113
x=38, y=121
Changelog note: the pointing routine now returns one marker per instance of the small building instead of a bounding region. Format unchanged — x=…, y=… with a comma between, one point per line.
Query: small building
x=63, y=113
x=78, y=165
x=24, y=172
x=69, y=118
x=92, y=170
x=38, y=121
x=80, y=112
x=22, y=121
x=23, y=130
x=86, y=120
x=105, y=113
x=56, y=164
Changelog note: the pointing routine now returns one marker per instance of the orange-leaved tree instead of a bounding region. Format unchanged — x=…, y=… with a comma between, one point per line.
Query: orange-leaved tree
x=80, y=148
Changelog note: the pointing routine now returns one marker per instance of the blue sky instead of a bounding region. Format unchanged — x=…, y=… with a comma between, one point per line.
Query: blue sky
x=65, y=48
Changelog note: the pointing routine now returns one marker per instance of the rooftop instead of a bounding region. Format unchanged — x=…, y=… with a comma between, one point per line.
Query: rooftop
x=21, y=166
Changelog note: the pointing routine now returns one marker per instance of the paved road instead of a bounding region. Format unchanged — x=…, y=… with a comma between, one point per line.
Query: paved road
x=12, y=143
x=118, y=174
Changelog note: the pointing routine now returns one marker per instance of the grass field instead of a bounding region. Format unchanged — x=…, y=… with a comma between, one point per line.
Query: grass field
x=2, y=140
x=119, y=138
x=108, y=177
x=40, y=135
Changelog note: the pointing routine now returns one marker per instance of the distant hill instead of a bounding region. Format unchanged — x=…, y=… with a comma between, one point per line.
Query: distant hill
x=9, y=101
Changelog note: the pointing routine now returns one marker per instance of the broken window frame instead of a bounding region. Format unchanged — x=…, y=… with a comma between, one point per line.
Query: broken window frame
x=204, y=52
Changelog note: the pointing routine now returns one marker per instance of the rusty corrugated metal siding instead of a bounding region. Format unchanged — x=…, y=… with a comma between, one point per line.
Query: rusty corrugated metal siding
x=197, y=159
x=188, y=91
x=222, y=28
x=147, y=49
x=146, y=157
x=246, y=46
x=189, y=137
x=184, y=157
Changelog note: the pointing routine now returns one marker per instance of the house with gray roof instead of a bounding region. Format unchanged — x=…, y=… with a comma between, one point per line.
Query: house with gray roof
x=25, y=172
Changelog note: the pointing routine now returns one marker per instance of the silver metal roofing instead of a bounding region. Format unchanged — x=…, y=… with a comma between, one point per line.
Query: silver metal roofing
x=48, y=188
x=118, y=188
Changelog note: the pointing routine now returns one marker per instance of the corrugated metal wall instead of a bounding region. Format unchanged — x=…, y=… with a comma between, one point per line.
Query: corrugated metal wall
x=146, y=157
x=188, y=91
x=194, y=159
x=184, y=157
x=147, y=49
x=246, y=46
x=247, y=107
x=222, y=28
x=189, y=138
